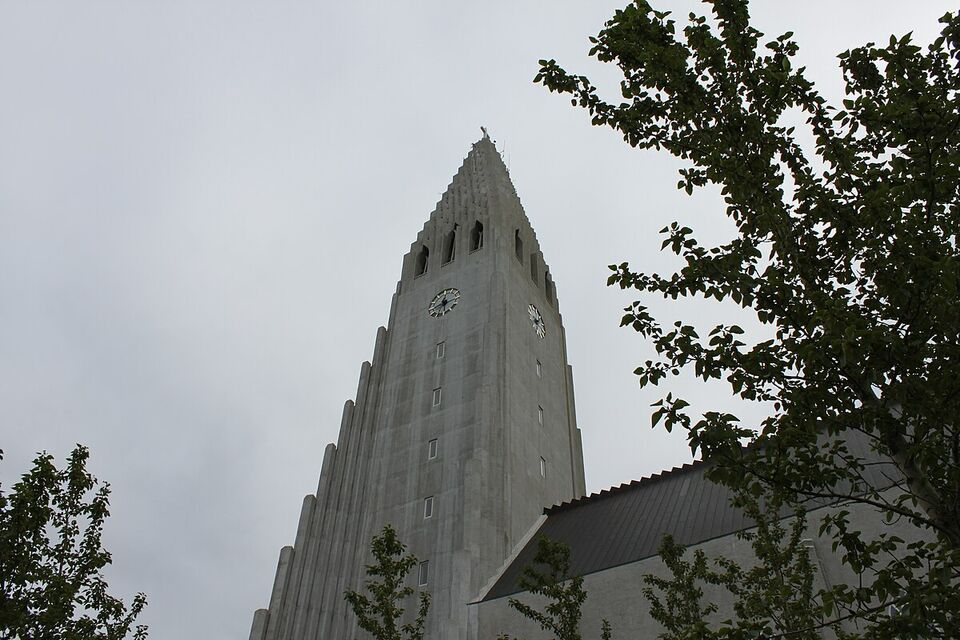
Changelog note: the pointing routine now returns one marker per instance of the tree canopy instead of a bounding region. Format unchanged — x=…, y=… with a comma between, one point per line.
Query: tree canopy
x=549, y=576
x=847, y=218
x=380, y=613
x=51, y=557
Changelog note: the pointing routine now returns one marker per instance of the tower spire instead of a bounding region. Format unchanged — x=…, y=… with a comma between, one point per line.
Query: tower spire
x=481, y=190
x=463, y=428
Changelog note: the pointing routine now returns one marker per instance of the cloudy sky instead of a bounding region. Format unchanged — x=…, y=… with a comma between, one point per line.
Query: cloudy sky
x=203, y=208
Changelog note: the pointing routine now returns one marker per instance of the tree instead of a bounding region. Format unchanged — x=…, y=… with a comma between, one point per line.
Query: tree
x=677, y=602
x=380, y=613
x=846, y=247
x=775, y=597
x=51, y=558
x=549, y=576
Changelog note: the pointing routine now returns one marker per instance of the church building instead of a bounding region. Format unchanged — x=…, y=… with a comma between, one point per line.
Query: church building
x=463, y=437
x=463, y=428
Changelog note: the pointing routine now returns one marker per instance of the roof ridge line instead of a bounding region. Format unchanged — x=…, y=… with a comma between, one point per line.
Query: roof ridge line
x=624, y=486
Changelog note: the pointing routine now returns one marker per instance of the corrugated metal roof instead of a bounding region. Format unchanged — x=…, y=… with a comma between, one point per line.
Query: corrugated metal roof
x=627, y=523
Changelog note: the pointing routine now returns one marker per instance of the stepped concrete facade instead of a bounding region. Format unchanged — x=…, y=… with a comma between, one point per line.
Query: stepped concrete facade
x=463, y=428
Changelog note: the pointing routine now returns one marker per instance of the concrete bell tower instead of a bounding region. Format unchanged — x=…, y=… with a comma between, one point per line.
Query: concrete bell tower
x=463, y=428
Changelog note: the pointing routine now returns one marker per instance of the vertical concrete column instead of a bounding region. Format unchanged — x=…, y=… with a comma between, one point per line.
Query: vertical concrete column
x=279, y=590
x=336, y=515
x=318, y=624
x=305, y=599
x=346, y=510
x=259, y=628
x=576, y=443
x=289, y=611
x=357, y=539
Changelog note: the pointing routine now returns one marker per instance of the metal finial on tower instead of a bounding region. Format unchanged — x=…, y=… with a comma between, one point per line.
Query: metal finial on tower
x=485, y=134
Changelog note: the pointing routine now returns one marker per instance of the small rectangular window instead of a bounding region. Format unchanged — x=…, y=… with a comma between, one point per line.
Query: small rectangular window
x=424, y=573
x=427, y=507
x=539, y=369
x=432, y=449
x=543, y=468
x=441, y=349
x=540, y=415
x=450, y=246
x=436, y=397
x=476, y=236
x=422, y=261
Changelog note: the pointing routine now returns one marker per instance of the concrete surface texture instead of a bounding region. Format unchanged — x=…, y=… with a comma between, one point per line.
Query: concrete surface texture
x=463, y=428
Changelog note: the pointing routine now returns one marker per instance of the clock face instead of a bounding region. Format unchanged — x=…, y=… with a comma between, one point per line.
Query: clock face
x=537, y=321
x=443, y=302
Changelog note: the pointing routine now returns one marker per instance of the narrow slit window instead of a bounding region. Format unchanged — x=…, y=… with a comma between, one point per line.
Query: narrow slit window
x=423, y=259
x=540, y=415
x=518, y=245
x=476, y=236
x=533, y=267
x=428, y=507
x=441, y=349
x=450, y=246
x=548, y=287
x=432, y=449
x=436, y=397
x=539, y=369
x=543, y=468
x=423, y=575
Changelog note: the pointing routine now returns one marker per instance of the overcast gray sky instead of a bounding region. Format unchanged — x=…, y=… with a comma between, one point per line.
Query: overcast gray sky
x=203, y=208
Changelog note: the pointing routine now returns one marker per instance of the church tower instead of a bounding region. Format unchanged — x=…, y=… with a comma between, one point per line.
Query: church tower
x=463, y=428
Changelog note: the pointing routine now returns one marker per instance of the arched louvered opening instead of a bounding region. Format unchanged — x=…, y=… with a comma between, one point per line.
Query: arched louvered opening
x=423, y=258
x=450, y=246
x=518, y=245
x=476, y=236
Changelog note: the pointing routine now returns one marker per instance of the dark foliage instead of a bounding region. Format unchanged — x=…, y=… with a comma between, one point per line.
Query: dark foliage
x=847, y=248
x=51, y=558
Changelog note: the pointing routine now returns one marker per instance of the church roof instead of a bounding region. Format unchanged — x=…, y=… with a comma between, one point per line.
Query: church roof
x=627, y=523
